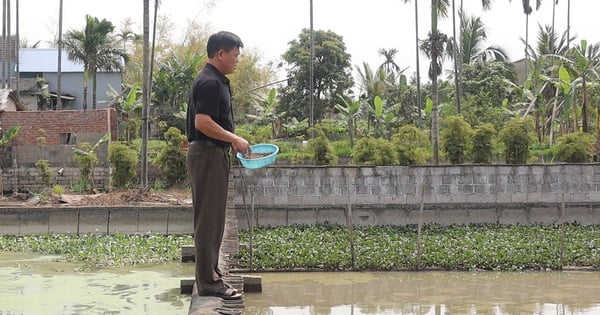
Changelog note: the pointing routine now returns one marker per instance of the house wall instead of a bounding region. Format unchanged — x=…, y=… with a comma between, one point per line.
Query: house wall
x=72, y=84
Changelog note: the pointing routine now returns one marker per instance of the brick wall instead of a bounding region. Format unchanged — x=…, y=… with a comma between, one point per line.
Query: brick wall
x=86, y=124
x=81, y=126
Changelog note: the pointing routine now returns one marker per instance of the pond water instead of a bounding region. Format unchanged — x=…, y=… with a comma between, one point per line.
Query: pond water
x=31, y=284
x=34, y=284
x=427, y=293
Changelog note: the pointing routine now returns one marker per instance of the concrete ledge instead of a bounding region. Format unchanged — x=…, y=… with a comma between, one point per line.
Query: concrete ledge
x=103, y=220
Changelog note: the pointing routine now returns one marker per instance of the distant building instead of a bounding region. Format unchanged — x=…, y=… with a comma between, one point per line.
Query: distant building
x=41, y=65
x=38, y=72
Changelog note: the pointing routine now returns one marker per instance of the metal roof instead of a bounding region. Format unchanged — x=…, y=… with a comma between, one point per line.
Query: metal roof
x=45, y=60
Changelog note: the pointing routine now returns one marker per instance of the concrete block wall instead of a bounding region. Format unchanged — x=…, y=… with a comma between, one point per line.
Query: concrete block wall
x=524, y=194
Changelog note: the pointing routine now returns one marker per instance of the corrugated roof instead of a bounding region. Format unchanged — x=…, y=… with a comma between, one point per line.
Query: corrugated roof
x=45, y=60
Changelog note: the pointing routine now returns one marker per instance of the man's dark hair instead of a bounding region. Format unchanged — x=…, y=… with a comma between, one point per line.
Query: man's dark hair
x=222, y=40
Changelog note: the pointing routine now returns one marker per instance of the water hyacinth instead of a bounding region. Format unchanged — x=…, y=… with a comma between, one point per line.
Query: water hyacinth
x=328, y=248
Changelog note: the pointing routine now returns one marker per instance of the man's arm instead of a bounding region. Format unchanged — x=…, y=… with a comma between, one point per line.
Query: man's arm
x=205, y=124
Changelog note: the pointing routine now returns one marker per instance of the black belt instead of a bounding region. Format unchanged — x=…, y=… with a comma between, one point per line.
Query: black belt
x=208, y=143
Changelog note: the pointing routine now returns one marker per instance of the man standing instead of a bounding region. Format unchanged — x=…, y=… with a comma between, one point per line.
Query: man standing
x=210, y=132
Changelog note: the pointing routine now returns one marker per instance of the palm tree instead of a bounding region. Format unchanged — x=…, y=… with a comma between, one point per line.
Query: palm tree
x=434, y=47
x=471, y=46
x=418, y=67
x=93, y=48
x=389, y=64
x=127, y=35
x=527, y=9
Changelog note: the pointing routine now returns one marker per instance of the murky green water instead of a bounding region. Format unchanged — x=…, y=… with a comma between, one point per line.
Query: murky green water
x=38, y=285
x=427, y=293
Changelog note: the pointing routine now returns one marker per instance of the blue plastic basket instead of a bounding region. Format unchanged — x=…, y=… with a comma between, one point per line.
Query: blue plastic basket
x=263, y=148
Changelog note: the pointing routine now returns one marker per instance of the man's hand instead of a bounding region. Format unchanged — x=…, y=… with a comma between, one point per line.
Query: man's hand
x=240, y=145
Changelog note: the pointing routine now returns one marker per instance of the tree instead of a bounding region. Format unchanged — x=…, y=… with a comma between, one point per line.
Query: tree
x=332, y=74
x=527, y=9
x=93, y=48
x=434, y=47
x=389, y=64
x=584, y=62
x=350, y=110
x=472, y=40
x=418, y=79
x=171, y=85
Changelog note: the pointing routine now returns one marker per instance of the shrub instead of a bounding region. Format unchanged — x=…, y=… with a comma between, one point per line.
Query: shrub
x=123, y=161
x=575, y=148
x=456, y=139
x=86, y=161
x=254, y=134
x=172, y=158
x=324, y=153
x=372, y=151
x=517, y=137
x=482, y=151
x=44, y=171
x=412, y=146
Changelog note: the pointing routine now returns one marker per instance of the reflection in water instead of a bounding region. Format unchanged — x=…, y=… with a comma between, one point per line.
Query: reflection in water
x=37, y=285
x=427, y=293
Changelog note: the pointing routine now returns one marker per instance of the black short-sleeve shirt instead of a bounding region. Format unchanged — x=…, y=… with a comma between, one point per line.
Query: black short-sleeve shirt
x=211, y=95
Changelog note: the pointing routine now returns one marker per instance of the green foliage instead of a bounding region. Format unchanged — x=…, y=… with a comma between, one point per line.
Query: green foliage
x=456, y=139
x=575, y=148
x=86, y=162
x=96, y=250
x=44, y=171
x=123, y=161
x=372, y=151
x=58, y=189
x=332, y=74
x=482, y=151
x=472, y=247
x=412, y=146
x=295, y=152
x=517, y=137
x=10, y=134
x=87, y=159
x=324, y=154
x=342, y=148
x=541, y=152
x=172, y=158
x=254, y=133
x=334, y=129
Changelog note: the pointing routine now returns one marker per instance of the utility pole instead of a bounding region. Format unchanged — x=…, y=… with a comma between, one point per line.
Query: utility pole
x=312, y=71
x=59, y=70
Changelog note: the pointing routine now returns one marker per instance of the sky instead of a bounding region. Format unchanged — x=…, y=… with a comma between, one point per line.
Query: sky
x=267, y=26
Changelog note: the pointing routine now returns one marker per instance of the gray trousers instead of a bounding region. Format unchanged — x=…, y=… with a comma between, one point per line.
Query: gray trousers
x=208, y=168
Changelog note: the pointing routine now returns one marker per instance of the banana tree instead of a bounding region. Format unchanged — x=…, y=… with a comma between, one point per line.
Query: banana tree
x=266, y=112
x=9, y=135
x=584, y=63
x=350, y=110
